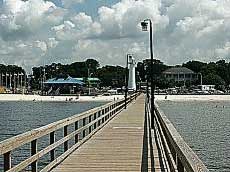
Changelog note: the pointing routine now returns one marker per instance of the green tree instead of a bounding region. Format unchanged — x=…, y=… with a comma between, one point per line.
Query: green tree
x=111, y=76
x=213, y=79
x=223, y=70
x=195, y=66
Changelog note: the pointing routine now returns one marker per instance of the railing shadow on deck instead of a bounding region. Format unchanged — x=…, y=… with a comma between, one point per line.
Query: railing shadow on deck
x=145, y=148
x=179, y=156
x=85, y=124
x=148, y=138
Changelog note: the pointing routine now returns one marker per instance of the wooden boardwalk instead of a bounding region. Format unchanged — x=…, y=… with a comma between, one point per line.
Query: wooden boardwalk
x=122, y=145
x=113, y=139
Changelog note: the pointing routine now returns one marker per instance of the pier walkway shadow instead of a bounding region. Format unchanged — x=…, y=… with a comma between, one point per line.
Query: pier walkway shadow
x=153, y=159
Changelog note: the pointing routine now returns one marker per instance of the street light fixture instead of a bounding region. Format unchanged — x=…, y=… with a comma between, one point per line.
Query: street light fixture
x=144, y=26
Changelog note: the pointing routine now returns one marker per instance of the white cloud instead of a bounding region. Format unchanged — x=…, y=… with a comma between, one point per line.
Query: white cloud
x=19, y=19
x=123, y=19
x=52, y=43
x=224, y=51
x=69, y=3
x=37, y=31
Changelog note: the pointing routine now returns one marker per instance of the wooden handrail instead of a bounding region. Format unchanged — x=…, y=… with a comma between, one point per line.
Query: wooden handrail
x=97, y=117
x=178, y=151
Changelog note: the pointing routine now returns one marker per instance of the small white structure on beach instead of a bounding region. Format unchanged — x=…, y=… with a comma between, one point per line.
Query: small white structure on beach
x=132, y=75
x=207, y=87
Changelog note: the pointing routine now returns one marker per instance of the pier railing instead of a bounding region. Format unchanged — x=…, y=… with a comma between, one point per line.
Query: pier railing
x=180, y=157
x=85, y=125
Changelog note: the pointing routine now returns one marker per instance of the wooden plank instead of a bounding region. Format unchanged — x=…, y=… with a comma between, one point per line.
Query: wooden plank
x=69, y=151
x=32, y=136
x=19, y=140
x=116, y=147
x=46, y=150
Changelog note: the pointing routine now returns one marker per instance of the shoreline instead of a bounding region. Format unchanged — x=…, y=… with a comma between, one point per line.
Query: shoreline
x=100, y=98
x=192, y=97
x=21, y=97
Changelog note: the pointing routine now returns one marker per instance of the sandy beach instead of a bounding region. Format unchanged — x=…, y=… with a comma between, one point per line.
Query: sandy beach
x=192, y=97
x=20, y=97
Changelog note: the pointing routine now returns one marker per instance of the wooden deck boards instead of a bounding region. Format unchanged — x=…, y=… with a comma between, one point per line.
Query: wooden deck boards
x=116, y=147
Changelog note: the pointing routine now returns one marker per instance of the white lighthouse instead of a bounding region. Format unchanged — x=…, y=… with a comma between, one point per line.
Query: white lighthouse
x=132, y=76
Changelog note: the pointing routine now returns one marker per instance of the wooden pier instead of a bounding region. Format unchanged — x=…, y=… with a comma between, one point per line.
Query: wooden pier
x=116, y=147
x=108, y=138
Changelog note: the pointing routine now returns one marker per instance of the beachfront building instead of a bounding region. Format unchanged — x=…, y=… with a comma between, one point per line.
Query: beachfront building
x=206, y=87
x=93, y=82
x=180, y=74
x=58, y=86
x=91, y=85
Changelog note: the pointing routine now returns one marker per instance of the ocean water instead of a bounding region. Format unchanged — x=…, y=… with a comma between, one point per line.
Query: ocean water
x=19, y=117
x=205, y=126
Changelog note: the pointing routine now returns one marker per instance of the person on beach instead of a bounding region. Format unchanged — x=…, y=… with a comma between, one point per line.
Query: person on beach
x=166, y=96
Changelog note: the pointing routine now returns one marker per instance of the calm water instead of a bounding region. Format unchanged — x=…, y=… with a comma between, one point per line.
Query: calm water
x=18, y=117
x=205, y=126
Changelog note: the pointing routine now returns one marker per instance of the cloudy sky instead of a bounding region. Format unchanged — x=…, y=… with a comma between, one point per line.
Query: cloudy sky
x=37, y=32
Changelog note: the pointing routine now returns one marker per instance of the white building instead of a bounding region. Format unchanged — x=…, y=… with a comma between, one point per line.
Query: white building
x=207, y=87
x=180, y=74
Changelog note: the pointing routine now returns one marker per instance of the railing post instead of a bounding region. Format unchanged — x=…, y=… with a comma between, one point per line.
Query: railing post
x=103, y=112
x=83, y=132
x=106, y=117
x=34, y=165
x=76, y=128
x=52, y=140
x=65, y=134
x=7, y=161
x=99, y=121
x=180, y=166
x=94, y=118
x=111, y=111
x=90, y=119
x=115, y=107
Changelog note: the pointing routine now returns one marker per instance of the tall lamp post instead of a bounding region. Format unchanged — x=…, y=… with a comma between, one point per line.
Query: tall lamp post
x=201, y=79
x=89, y=76
x=1, y=79
x=147, y=83
x=126, y=78
x=144, y=25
